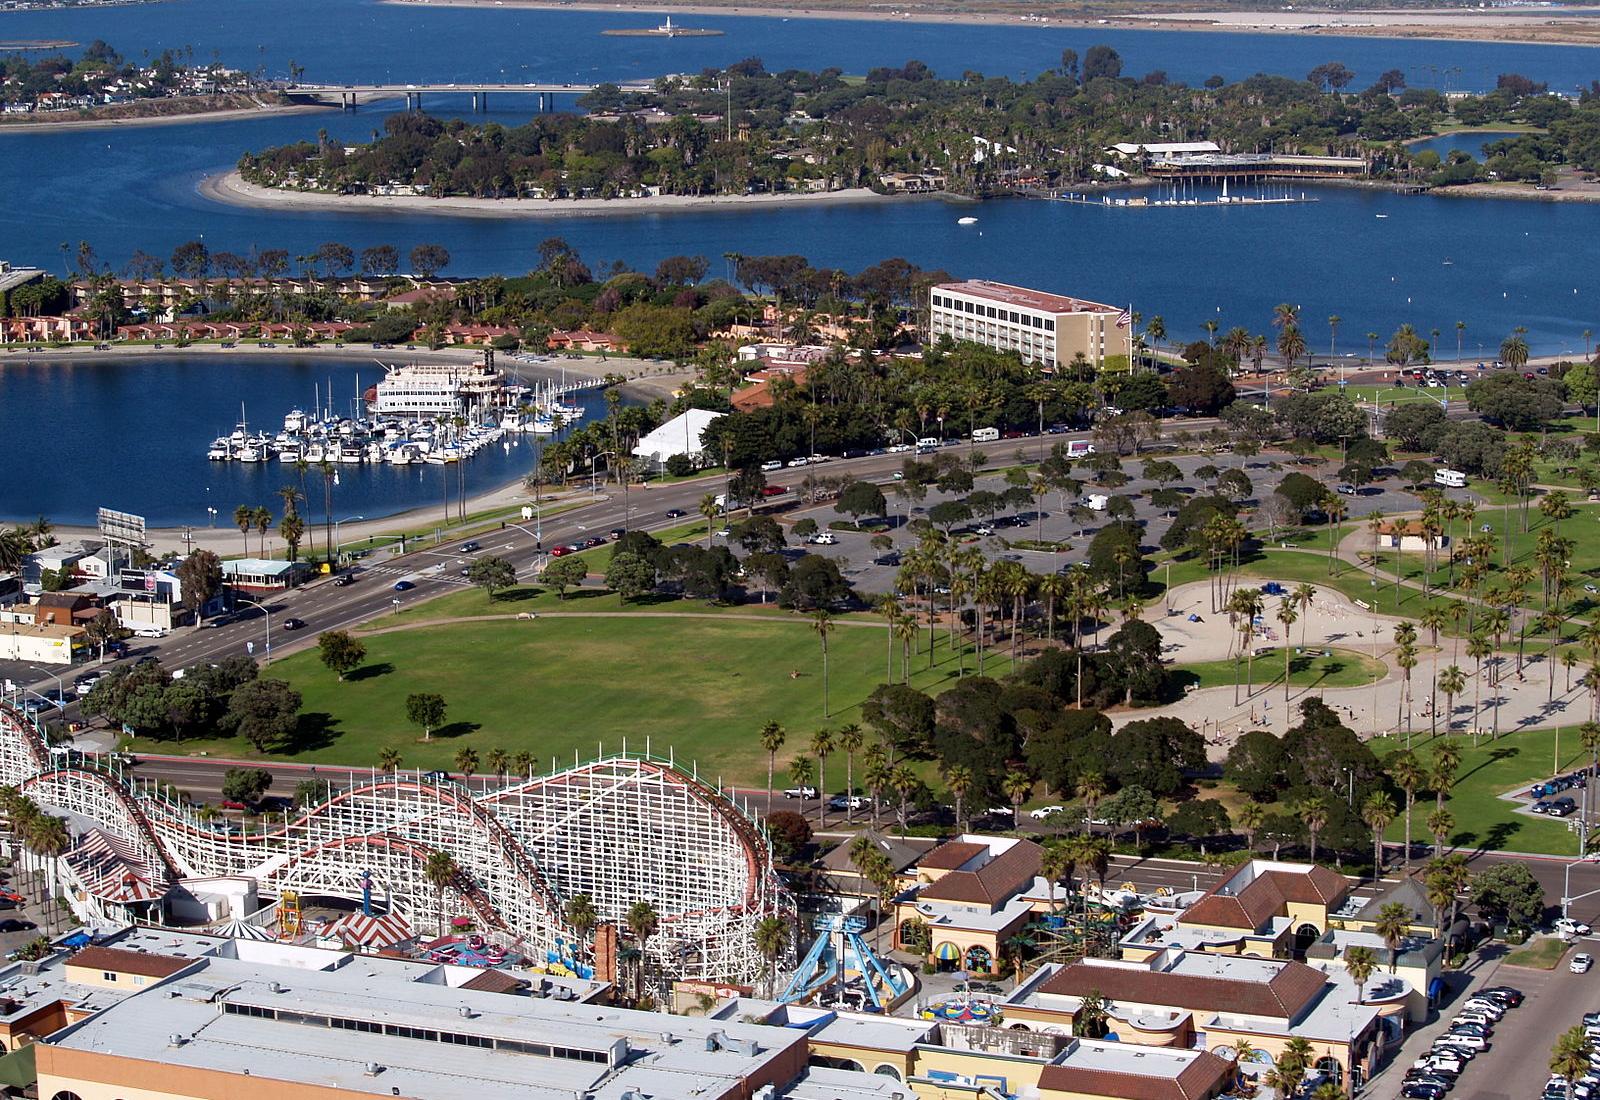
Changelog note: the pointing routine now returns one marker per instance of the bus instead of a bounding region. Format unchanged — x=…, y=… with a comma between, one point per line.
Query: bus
x=1453, y=479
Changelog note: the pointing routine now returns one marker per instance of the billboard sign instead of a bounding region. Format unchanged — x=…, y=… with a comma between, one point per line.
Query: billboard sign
x=121, y=527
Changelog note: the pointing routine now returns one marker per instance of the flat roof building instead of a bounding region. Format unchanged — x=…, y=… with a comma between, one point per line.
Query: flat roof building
x=1051, y=330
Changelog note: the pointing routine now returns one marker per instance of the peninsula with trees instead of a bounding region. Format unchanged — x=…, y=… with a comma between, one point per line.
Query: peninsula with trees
x=744, y=131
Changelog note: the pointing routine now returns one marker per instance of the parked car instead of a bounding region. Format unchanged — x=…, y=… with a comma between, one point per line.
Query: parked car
x=1045, y=811
x=1569, y=927
x=12, y=924
x=1466, y=1037
x=1507, y=995
x=1423, y=1090
x=800, y=792
x=823, y=538
x=1581, y=962
x=618, y=532
x=560, y=551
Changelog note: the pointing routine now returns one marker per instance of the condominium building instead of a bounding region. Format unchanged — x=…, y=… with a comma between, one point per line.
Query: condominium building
x=1048, y=329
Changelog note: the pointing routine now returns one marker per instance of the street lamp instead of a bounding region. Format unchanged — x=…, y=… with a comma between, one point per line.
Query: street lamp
x=337, y=545
x=61, y=691
x=267, y=615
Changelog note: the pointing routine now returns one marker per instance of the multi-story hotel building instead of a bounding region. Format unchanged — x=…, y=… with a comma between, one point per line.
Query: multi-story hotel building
x=1048, y=329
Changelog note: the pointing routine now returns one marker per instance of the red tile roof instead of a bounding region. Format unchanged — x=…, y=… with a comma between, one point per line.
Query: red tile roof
x=951, y=855
x=993, y=883
x=1204, y=1077
x=118, y=961
x=1264, y=897
x=1284, y=996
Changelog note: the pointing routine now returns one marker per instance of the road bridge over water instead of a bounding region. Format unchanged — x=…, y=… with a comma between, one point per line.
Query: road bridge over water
x=350, y=95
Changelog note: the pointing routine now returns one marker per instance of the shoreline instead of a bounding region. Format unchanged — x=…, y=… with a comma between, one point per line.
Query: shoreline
x=645, y=381
x=1385, y=24
x=229, y=114
x=231, y=189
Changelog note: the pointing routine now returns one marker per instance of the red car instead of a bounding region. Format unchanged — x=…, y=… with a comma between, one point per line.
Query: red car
x=9, y=896
x=560, y=551
x=230, y=804
x=773, y=490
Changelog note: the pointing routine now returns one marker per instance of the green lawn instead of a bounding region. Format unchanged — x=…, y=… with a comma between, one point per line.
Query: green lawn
x=1339, y=669
x=1401, y=395
x=468, y=602
x=700, y=688
x=1514, y=762
x=1541, y=954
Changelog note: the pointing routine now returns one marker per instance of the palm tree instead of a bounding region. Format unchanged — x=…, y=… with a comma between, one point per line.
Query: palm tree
x=1393, y=924
x=905, y=784
x=772, y=737
x=263, y=522
x=583, y=917
x=772, y=940
x=1091, y=789
x=878, y=777
x=1407, y=772
x=709, y=509
x=467, y=761
x=1378, y=812
x=1442, y=774
x=1452, y=681
x=1287, y=616
x=1056, y=863
x=803, y=771
x=849, y=742
x=1359, y=963
x=1249, y=819
x=1569, y=1059
x=499, y=763
x=440, y=870
x=1440, y=822
x=822, y=623
x=48, y=838
x=1478, y=648
x=389, y=759
x=958, y=778
x=244, y=517
x=1018, y=785
x=642, y=922
x=821, y=746
x=1313, y=814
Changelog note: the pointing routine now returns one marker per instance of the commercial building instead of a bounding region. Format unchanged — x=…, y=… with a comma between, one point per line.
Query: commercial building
x=684, y=434
x=1049, y=329
x=260, y=1020
x=967, y=897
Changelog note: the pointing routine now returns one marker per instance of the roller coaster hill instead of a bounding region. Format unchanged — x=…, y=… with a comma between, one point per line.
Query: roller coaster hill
x=620, y=829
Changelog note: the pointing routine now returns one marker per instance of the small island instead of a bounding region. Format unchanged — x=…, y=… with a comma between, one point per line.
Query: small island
x=665, y=30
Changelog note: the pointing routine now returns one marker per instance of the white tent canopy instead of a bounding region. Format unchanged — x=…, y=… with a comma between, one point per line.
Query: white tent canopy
x=682, y=435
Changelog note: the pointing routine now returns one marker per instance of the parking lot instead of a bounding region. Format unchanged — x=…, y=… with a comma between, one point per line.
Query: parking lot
x=1516, y=1064
x=1050, y=518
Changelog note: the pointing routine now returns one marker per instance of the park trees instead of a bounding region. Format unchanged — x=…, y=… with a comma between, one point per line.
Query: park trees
x=341, y=651
x=245, y=785
x=492, y=573
x=630, y=576
x=565, y=572
x=265, y=712
x=425, y=709
x=1521, y=404
x=200, y=577
x=1507, y=893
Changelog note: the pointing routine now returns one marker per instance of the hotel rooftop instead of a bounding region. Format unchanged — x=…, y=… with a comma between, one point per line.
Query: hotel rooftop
x=1023, y=298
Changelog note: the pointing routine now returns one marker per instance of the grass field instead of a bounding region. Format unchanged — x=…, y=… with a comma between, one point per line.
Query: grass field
x=1541, y=954
x=552, y=687
x=1340, y=669
x=1483, y=818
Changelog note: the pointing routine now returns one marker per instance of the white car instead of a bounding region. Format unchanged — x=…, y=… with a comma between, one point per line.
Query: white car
x=983, y=529
x=800, y=792
x=1456, y=1039
x=1581, y=962
x=772, y=464
x=1566, y=926
x=1045, y=811
x=899, y=448
x=823, y=538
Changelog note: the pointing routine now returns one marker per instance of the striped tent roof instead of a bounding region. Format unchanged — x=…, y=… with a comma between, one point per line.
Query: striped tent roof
x=361, y=930
x=241, y=930
x=112, y=869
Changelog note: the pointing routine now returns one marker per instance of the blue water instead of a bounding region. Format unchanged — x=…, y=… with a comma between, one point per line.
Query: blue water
x=344, y=40
x=1430, y=262
x=132, y=434
x=1472, y=143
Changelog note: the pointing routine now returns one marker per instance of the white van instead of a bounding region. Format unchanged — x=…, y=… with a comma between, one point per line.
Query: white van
x=1077, y=448
x=928, y=443
x=1453, y=479
x=1096, y=502
x=771, y=464
x=985, y=435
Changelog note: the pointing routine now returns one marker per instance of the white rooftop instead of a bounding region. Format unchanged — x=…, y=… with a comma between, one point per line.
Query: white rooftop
x=682, y=435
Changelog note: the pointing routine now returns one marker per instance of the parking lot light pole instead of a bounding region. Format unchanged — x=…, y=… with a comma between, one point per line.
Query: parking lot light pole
x=267, y=616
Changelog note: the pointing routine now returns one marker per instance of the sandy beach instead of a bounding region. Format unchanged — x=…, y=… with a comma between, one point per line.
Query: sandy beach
x=234, y=190
x=1545, y=27
x=14, y=126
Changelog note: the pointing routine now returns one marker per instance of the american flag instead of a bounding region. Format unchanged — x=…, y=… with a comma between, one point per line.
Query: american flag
x=1125, y=318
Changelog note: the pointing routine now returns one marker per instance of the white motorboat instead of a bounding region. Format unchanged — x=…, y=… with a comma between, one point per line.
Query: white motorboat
x=219, y=449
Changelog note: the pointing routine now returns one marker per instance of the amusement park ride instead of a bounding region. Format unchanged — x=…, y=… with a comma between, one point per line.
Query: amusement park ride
x=859, y=977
